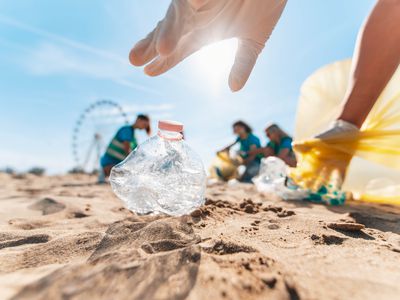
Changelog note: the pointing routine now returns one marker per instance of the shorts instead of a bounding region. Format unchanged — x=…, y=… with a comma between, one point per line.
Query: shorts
x=107, y=160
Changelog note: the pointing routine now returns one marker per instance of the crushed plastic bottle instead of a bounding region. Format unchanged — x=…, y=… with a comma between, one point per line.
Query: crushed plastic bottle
x=163, y=175
x=272, y=179
x=272, y=174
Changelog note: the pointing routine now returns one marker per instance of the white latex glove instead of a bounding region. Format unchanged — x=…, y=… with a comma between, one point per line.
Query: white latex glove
x=337, y=127
x=191, y=24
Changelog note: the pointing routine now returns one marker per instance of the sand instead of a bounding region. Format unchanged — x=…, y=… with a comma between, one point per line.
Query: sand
x=64, y=237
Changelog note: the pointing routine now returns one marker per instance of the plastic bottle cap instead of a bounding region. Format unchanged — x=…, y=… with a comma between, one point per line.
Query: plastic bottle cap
x=170, y=126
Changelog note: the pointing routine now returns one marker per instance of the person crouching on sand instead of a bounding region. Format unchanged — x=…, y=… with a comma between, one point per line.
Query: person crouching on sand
x=248, y=142
x=279, y=145
x=123, y=143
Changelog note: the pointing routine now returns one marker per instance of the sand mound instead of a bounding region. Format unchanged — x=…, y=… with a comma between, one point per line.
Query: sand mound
x=135, y=259
x=48, y=206
x=151, y=237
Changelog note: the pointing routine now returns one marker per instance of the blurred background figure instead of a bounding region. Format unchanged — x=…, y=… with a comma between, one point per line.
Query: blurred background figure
x=122, y=144
x=279, y=145
x=248, y=142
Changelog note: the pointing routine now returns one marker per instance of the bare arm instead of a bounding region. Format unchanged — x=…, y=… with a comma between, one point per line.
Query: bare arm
x=227, y=147
x=375, y=59
x=250, y=154
x=127, y=147
x=290, y=160
x=256, y=151
x=265, y=151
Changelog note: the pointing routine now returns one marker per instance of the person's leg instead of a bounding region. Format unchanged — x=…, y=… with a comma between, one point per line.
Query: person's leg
x=101, y=178
x=107, y=163
x=252, y=170
x=376, y=58
x=107, y=170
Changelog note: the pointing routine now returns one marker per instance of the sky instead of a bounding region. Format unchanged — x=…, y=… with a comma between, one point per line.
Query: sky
x=59, y=57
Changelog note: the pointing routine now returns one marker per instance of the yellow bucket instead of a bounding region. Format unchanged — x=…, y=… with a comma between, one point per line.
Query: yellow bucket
x=223, y=167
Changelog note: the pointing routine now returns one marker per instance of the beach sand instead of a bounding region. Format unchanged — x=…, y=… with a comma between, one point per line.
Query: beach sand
x=64, y=237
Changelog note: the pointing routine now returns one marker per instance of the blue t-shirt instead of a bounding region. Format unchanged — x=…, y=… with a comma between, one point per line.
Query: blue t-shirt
x=286, y=143
x=125, y=134
x=246, y=144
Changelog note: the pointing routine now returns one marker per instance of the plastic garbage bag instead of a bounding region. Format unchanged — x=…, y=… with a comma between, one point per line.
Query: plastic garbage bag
x=272, y=174
x=163, y=175
x=272, y=180
x=352, y=161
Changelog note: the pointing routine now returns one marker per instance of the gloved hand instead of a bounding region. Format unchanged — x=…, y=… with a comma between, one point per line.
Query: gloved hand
x=322, y=163
x=191, y=24
x=337, y=127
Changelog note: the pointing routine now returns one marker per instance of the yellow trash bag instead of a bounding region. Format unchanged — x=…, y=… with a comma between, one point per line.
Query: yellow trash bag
x=223, y=167
x=369, y=159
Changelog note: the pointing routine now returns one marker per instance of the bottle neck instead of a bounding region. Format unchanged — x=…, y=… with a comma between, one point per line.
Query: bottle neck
x=169, y=135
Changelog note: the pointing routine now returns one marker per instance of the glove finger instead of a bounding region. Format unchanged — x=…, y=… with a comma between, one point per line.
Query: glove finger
x=144, y=50
x=187, y=46
x=197, y=4
x=246, y=57
x=173, y=26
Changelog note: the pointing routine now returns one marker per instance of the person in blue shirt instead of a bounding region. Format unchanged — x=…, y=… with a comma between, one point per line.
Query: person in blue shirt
x=279, y=145
x=123, y=143
x=248, y=142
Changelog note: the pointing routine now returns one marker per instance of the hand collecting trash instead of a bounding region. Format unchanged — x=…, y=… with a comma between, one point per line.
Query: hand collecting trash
x=326, y=171
x=323, y=161
x=163, y=175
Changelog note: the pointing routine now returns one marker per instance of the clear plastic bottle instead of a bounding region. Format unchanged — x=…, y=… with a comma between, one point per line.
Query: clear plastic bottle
x=272, y=179
x=163, y=175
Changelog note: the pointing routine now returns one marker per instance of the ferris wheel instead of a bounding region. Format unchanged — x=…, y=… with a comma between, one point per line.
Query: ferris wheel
x=94, y=128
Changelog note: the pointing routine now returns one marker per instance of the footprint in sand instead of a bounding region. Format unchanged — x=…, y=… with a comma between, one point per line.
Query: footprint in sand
x=285, y=213
x=25, y=224
x=9, y=240
x=47, y=206
x=222, y=247
x=46, y=251
x=273, y=226
x=326, y=239
x=76, y=215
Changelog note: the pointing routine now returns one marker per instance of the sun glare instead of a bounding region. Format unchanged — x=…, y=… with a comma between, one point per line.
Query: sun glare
x=213, y=63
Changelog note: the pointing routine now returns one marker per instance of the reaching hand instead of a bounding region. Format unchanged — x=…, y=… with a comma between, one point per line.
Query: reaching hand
x=191, y=24
x=338, y=127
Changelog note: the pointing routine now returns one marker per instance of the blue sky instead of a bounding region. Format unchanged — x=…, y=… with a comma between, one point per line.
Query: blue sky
x=58, y=57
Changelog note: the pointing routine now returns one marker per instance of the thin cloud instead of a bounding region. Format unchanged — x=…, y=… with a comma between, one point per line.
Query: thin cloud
x=61, y=39
x=90, y=50
x=50, y=58
x=148, y=107
x=132, y=109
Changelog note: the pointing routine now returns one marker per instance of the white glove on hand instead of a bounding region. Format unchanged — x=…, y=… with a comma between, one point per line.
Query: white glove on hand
x=337, y=127
x=191, y=24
